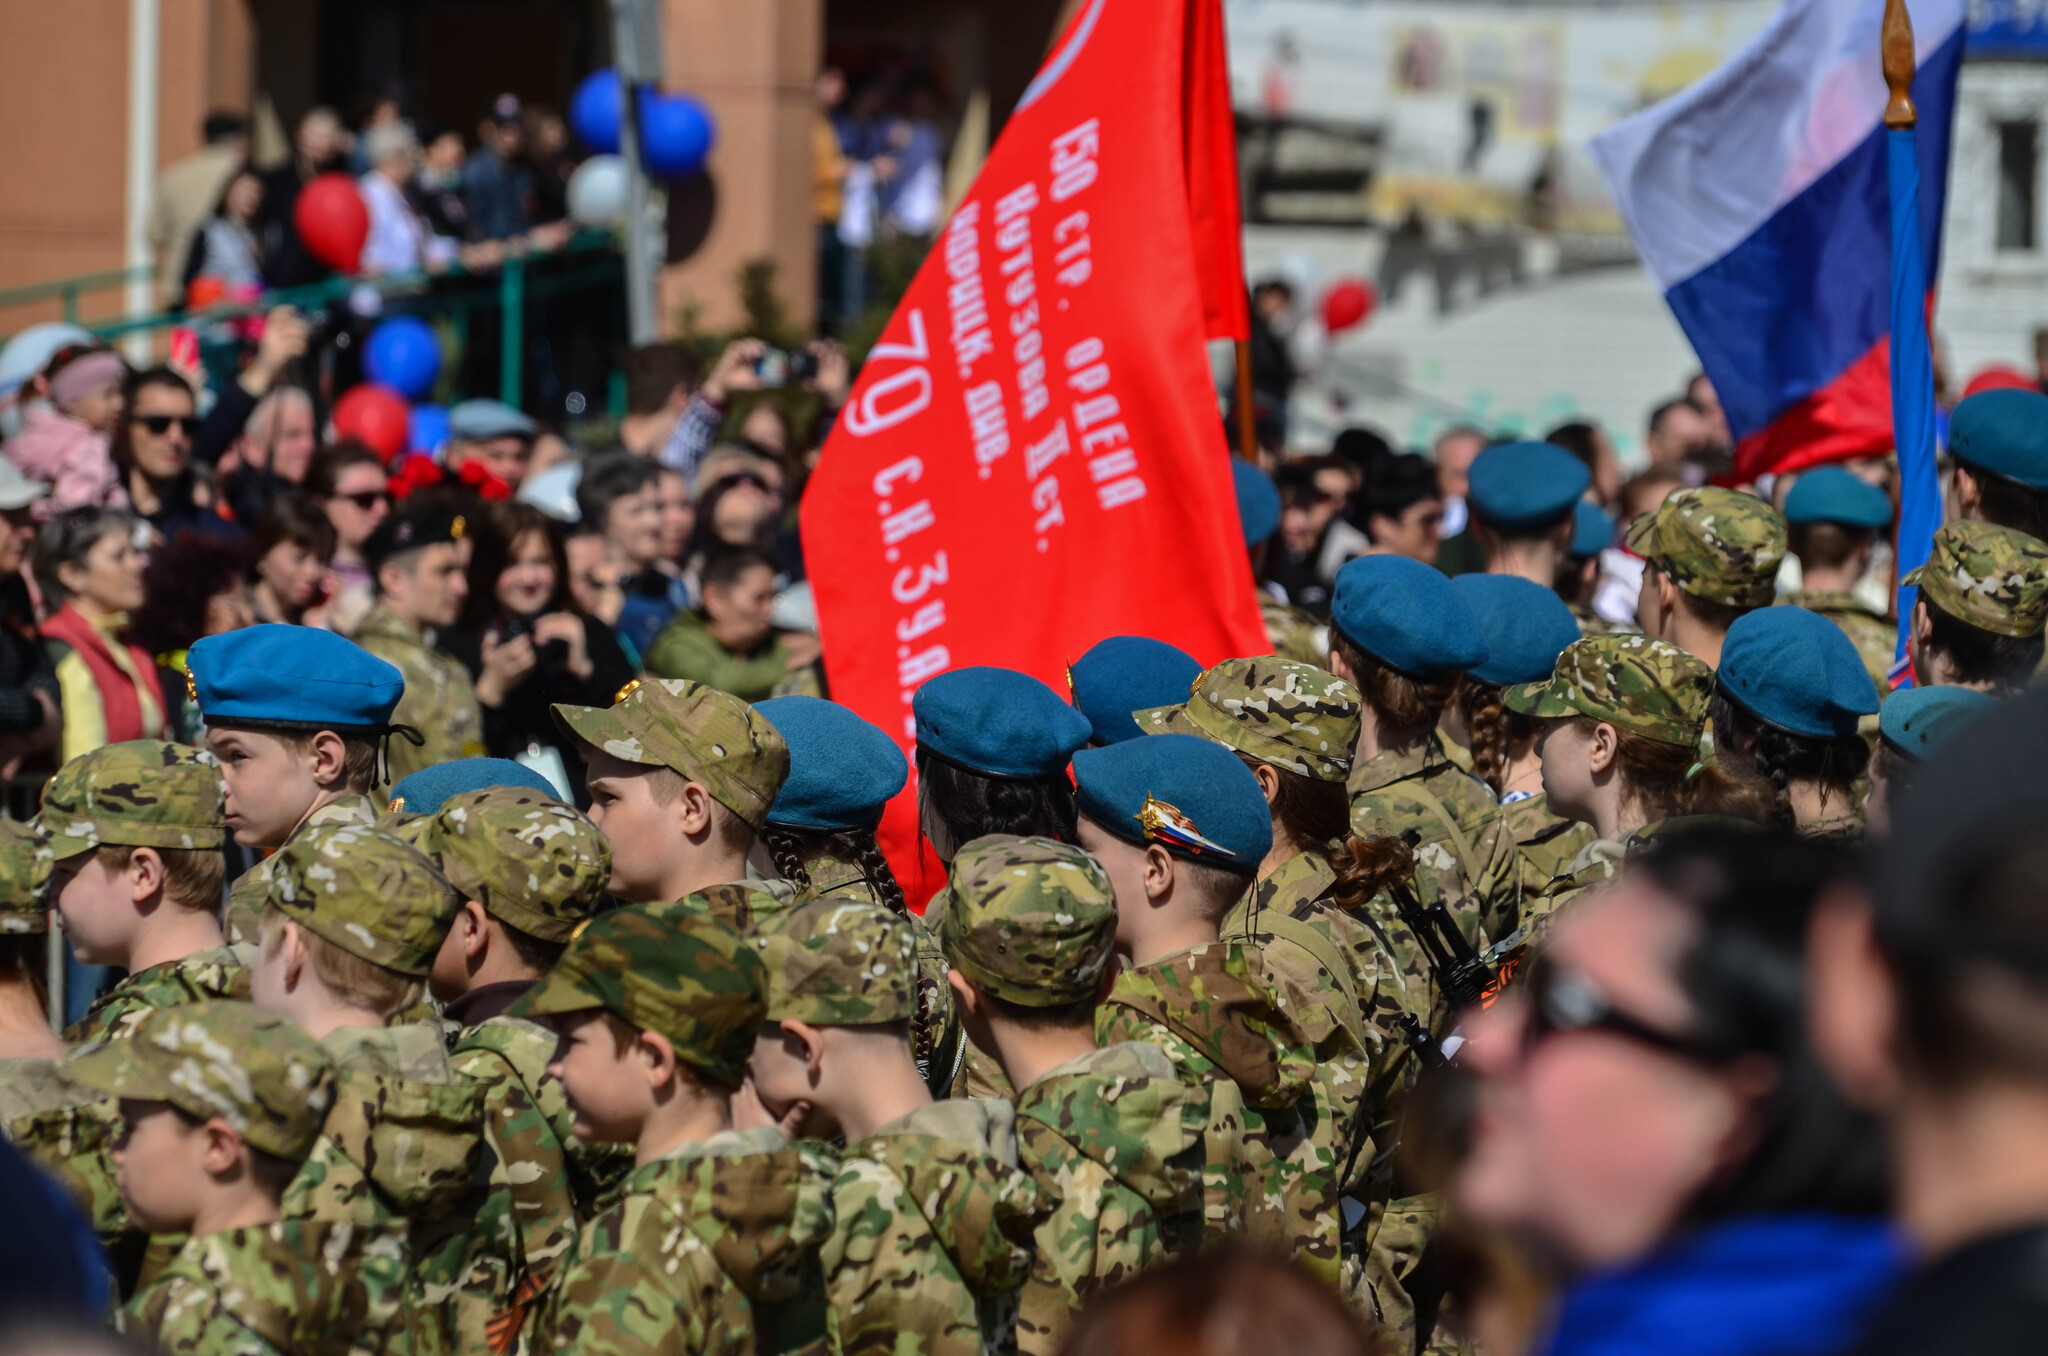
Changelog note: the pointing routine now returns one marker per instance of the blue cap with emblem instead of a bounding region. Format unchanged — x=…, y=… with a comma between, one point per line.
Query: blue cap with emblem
x=1125, y=674
x=476, y=421
x=1258, y=501
x=1796, y=670
x=2004, y=432
x=842, y=769
x=1526, y=487
x=1526, y=627
x=426, y=791
x=1829, y=494
x=1190, y=795
x=292, y=677
x=997, y=723
x=1918, y=720
x=1406, y=615
x=1592, y=530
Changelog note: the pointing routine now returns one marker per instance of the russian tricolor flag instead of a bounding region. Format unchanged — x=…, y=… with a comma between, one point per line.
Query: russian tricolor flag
x=1758, y=200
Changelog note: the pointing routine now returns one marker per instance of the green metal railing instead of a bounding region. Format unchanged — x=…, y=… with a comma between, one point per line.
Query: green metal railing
x=596, y=255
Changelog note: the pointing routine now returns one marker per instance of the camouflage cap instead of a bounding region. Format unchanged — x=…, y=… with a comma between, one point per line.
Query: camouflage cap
x=1294, y=716
x=687, y=976
x=25, y=861
x=530, y=860
x=1647, y=686
x=1719, y=545
x=1994, y=578
x=366, y=891
x=839, y=962
x=139, y=793
x=708, y=736
x=1028, y=920
x=255, y=1070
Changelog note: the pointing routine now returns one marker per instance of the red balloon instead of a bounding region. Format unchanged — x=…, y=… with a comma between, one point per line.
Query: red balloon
x=375, y=416
x=332, y=221
x=1348, y=302
x=1999, y=377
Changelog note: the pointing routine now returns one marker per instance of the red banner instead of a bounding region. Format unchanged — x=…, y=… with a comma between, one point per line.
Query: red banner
x=1032, y=459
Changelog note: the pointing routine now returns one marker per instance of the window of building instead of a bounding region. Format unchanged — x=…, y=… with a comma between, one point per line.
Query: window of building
x=2018, y=162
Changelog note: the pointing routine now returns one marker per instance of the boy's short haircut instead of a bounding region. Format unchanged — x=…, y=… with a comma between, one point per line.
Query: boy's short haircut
x=1215, y=888
x=355, y=981
x=1058, y=1017
x=359, y=754
x=1826, y=546
x=194, y=878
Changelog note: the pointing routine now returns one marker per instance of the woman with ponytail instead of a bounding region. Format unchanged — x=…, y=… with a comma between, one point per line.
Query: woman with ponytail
x=1622, y=717
x=1526, y=627
x=820, y=834
x=1788, y=699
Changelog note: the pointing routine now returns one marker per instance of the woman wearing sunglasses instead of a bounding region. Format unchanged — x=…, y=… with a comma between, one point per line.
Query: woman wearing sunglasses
x=153, y=450
x=348, y=482
x=1653, y=1130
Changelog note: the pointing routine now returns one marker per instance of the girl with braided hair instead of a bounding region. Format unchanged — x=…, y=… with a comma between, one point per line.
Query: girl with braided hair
x=820, y=835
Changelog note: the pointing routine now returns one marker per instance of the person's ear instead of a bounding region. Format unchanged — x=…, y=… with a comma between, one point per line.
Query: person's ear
x=1603, y=748
x=1667, y=595
x=696, y=811
x=657, y=1059
x=1341, y=669
x=145, y=873
x=222, y=1149
x=1852, y=1007
x=813, y=1042
x=1159, y=872
x=965, y=996
x=474, y=924
x=1269, y=781
x=293, y=947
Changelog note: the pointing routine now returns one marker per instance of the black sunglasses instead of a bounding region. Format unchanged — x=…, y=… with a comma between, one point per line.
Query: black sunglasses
x=1562, y=1002
x=367, y=499
x=160, y=424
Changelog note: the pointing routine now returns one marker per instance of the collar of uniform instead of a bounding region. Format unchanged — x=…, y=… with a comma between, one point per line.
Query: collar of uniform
x=1831, y=600
x=349, y=809
x=765, y=1139
x=1388, y=766
x=384, y=624
x=833, y=876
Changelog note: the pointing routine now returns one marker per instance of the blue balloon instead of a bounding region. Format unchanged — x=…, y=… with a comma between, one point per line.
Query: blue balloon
x=594, y=112
x=404, y=353
x=675, y=135
x=428, y=429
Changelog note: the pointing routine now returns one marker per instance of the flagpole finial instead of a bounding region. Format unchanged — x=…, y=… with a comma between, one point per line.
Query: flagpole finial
x=1899, y=62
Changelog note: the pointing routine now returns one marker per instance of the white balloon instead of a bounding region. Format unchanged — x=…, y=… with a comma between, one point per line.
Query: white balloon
x=25, y=355
x=597, y=191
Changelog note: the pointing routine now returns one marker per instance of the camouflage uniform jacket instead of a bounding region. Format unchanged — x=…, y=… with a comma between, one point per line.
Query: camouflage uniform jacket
x=1116, y=1136
x=218, y=972
x=1592, y=624
x=1545, y=844
x=68, y=1130
x=740, y=903
x=712, y=1250
x=1293, y=633
x=294, y=1288
x=1599, y=860
x=1464, y=854
x=1269, y=1173
x=932, y=1234
x=440, y=700
x=1875, y=638
x=245, y=899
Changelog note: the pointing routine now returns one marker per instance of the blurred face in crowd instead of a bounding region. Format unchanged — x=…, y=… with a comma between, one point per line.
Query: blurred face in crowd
x=505, y=458
x=444, y=156
x=593, y=573
x=230, y=610
x=739, y=612
x=506, y=138
x=634, y=525
x=1595, y=1130
x=1701, y=393
x=160, y=429
x=321, y=137
x=17, y=533
x=764, y=429
x=1682, y=432
x=528, y=580
x=426, y=586
x=359, y=502
x=163, y=1166
x=678, y=515
x=281, y=436
x=244, y=197
x=292, y=573
x=99, y=409
x=1417, y=533
x=547, y=136
x=110, y=577
x=741, y=514
x=1455, y=453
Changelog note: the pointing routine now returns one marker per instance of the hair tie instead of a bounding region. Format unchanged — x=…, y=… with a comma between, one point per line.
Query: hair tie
x=1694, y=768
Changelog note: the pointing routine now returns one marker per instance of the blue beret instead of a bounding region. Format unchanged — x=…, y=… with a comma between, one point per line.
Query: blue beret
x=2004, y=432
x=476, y=421
x=1918, y=720
x=997, y=722
x=1192, y=796
x=1796, y=670
x=1258, y=501
x=1829, y=494
x=1526, y=627
x=1406, y=615
x=426, y=791
x=1592, y=529
x=1125, y=674
x=1526, y=485
x=842, y=769
x=294, y=676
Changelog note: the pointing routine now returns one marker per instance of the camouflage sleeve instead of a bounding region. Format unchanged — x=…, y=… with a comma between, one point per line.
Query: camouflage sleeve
x=531, y=1171
x=1100, y=1234
x=643, y=1283
x=888, y=1278
x=181, y=1317
x=245, y=904
x=1500, y=879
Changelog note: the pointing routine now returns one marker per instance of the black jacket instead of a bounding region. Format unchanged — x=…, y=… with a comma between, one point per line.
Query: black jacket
x=523, y=718
x=24, y=664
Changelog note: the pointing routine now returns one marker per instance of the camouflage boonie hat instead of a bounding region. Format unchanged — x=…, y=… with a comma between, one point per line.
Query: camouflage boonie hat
x=366, y=891
x=688, y=977
x=139, y=793
x=1028, y=920
x=255, y=1070
x=25, y=862
x=1994, y=578
x=1648, y=686
x=1719, y=545
x=706, y=735
x=839, y=962
x=530, y=860
x=1294, y=716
